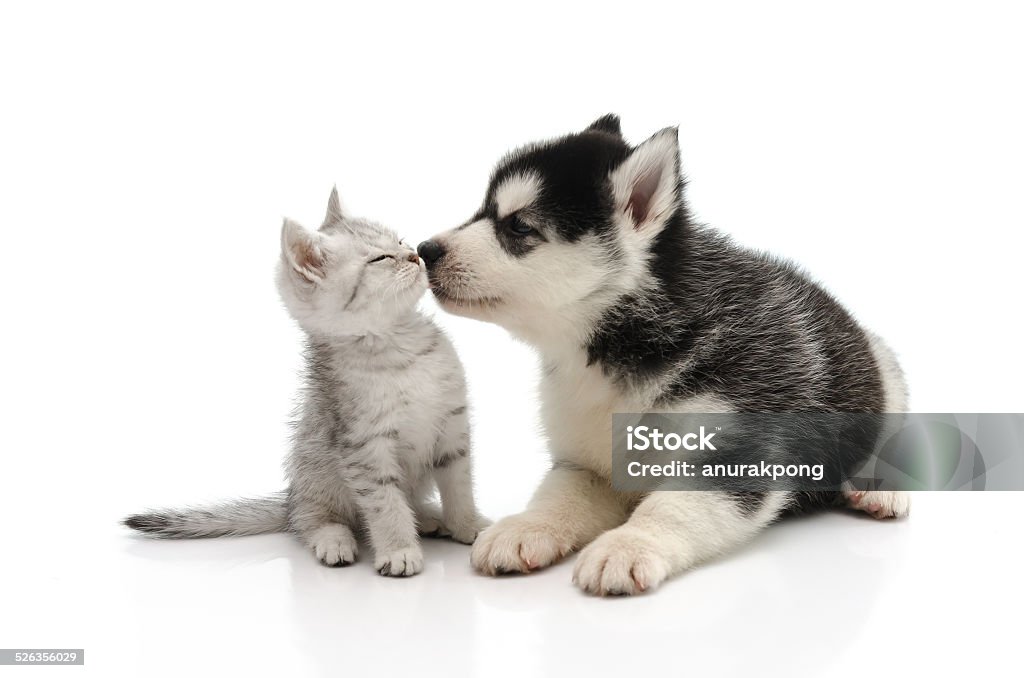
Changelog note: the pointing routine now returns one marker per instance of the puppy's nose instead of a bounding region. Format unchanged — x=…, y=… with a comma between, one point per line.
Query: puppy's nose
x=430, y=251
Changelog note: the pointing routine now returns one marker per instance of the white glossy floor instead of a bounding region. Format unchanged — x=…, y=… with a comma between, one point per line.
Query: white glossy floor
x=830, y=595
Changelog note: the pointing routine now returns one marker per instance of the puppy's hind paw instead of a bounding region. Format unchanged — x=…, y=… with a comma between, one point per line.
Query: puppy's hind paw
x=879, y=504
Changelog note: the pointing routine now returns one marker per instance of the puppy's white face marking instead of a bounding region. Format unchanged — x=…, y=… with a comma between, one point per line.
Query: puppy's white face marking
x=544, y=262
x=516, y=192
x=523, y=280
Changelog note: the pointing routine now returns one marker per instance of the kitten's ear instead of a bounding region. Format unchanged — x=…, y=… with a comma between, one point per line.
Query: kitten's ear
x=646, y=187
x=334, y=214
x=606, y=123
x=303, y=251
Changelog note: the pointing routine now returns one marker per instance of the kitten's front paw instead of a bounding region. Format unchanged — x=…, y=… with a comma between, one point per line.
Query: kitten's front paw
x=519, y=543
x=430, y=525
x=335, y=545
x=468, y=532
x=622, y=562
x=401, y=563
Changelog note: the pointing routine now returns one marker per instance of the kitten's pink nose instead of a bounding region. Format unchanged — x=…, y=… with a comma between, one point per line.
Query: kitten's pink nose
x=414, y=258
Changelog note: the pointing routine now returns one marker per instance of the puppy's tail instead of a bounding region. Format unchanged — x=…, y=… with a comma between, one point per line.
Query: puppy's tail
x=229, y=519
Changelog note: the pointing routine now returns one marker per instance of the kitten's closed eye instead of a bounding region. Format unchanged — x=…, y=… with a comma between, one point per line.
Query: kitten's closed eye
x=380, y=258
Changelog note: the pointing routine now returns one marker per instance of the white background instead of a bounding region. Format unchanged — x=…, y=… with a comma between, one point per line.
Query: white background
x=148, y=153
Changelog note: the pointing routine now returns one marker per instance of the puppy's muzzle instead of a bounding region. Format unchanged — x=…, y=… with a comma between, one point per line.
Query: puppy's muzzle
x=430, y=251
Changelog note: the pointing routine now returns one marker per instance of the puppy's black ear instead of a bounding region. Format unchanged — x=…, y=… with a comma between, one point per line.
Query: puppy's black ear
x=606, y=123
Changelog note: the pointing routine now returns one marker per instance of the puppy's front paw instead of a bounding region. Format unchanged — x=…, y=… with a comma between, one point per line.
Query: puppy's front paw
x=335, y=545
x=879, y=504
x=519, y=543
x=622, y=562
x=401, y=563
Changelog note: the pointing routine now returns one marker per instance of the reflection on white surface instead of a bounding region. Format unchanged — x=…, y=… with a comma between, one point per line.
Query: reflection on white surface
x=826, y=595
x=803, y=598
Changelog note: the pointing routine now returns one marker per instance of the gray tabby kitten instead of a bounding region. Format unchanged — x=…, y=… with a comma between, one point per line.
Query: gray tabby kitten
x=384, y=415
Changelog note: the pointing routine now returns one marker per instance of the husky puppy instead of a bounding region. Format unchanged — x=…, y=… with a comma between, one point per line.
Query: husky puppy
x=383, y=418
x=584, y=247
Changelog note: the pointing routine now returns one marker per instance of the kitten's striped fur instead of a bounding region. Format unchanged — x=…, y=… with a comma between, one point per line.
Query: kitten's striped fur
x=383, y=419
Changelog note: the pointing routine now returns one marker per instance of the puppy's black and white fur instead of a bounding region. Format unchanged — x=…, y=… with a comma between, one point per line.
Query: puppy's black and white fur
x=584, y=247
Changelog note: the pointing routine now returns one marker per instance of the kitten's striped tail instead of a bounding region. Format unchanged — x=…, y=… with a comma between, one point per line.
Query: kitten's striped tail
x=229, y=519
